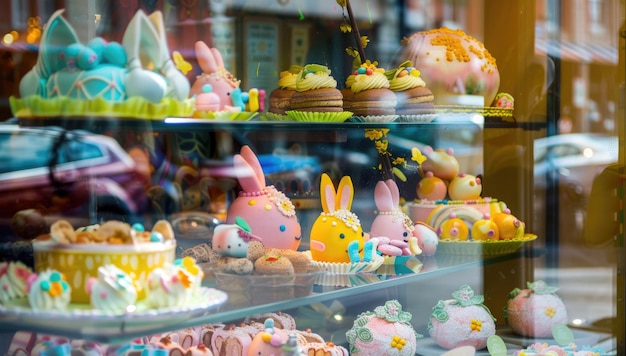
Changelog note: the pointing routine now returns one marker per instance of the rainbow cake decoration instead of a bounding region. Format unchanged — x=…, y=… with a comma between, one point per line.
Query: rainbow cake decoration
x=451, y=202
x=136, y=78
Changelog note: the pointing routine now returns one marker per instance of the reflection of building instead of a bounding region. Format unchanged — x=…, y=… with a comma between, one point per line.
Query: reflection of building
x=583, y=37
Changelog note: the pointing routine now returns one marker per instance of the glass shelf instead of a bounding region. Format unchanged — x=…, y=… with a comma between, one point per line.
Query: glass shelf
x=124, y=329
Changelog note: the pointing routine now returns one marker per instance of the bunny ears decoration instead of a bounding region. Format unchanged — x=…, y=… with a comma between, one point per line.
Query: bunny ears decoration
x=102, y=77
x=270, y=214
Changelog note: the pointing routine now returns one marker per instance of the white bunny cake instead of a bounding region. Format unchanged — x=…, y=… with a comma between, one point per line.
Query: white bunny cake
x=269, y=213
x=136, y=78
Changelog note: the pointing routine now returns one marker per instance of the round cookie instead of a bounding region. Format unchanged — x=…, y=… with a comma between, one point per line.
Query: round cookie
x=413, y=101
x=318, y=100
x=273, y=265
x=280, y=100
x=535, y=310
x=373, y=102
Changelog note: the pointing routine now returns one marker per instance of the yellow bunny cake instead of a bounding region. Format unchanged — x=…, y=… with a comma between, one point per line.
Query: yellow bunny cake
x=338, y=243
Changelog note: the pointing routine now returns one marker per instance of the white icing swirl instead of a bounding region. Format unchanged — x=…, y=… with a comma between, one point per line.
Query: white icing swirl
x=113, y=290
x=14, y=280
x=375, y=80
x=169, y=286
x=49, y=291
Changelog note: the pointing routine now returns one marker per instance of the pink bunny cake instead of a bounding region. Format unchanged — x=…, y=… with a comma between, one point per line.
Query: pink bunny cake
x=451, y=203
x=104, y=78
x=338, y=243
x=269, y=213
x=396, y=233
x=217, y=89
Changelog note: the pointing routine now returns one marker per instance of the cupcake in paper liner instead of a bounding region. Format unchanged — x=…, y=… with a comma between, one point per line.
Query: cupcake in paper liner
x=311, y=116
x=270, y=116
x=225, y=115
x=349, y=267
x=375, y=118
x=426, y=117
x=346, y=280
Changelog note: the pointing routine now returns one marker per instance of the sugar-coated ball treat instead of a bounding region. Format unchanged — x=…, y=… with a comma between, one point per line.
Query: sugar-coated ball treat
x=462, y=321
x=535, y=310
x=385, y=331
x=452, y=63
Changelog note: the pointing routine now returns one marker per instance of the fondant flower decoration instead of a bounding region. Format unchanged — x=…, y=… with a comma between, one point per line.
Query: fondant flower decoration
x=392, y=312
x=439, y=312
x=465, y=297
x=540, y=287
x=55, y=286
x=349, y=218
x=280, y=200
x=188, y=264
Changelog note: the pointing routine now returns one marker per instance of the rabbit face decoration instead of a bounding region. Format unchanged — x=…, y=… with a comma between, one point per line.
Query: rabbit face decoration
x=99, y=69
x=337, y=235
x=394, y=229
x=232, y=240
x=269, y=213
x=217, y=78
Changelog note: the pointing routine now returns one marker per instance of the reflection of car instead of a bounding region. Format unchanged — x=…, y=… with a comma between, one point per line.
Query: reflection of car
x=73, y=174
x=569, y=164
x=573, y=158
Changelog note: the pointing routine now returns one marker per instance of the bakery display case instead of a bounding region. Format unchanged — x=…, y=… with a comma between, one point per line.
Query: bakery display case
x=106, y=117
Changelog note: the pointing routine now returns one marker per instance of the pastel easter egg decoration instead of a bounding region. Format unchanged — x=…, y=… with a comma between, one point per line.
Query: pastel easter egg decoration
x=233, y=239
x=509, y=226
x=114, y=54
x=431, y=187
x=207, y=100
x=465, y=187
x=485, y=230
x=270, y=214
x=337, y=231
x=441, y=162
x=454, y=229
